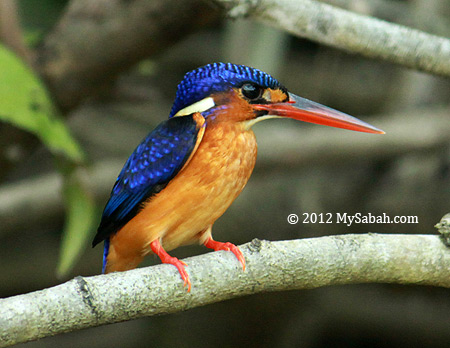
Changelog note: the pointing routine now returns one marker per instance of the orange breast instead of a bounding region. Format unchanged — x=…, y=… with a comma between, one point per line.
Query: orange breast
x=196, y=197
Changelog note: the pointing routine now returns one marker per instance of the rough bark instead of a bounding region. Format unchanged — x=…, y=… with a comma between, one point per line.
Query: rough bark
x=218, y=276
x=349, y=31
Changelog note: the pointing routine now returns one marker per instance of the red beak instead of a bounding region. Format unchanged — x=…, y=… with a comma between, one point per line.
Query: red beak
x=302, y=109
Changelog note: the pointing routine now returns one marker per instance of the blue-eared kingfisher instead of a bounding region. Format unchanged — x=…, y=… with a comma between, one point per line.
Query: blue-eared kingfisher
x=186, y=173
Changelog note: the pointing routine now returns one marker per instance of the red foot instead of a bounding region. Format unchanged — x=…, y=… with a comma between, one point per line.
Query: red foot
x=166, y=258
x=212, y=244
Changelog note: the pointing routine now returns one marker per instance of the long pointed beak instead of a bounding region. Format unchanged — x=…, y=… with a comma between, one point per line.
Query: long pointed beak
x=302, y=109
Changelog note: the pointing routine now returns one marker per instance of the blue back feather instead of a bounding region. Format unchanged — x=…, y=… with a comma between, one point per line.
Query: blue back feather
x=156, y=160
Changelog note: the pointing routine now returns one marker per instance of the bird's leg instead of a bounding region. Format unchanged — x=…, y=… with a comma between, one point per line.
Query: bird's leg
x=212, y=244
x=166, y=258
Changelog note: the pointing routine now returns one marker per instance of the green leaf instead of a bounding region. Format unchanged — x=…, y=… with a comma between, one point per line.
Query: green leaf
x=24, y=102
x=80, y=220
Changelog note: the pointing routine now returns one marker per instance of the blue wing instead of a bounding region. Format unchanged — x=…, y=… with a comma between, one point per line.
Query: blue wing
x=156, y=161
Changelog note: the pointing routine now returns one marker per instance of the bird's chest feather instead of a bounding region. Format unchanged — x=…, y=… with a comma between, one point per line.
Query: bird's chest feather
x=225, y=157
x=216, y=174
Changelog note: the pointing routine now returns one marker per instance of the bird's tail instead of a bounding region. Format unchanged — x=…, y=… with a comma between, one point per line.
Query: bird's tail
x=116, y=260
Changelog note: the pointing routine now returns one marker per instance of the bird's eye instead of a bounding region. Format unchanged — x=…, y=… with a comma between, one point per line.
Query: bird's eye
x=251, y=91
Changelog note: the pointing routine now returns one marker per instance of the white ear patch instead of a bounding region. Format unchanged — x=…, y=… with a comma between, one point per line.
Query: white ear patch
x=199, y=106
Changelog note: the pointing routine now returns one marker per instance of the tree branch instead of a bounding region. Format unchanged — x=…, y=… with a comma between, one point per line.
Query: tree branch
x=349, y=31
x=10, y=30
x=120, y=33
x=217, y=276
x=405, y=13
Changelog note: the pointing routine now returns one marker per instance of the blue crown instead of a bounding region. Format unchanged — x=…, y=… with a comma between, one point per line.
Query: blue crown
x=217, y=77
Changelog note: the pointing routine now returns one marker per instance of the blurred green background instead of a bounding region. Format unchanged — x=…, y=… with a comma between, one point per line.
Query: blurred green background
x=106, y=82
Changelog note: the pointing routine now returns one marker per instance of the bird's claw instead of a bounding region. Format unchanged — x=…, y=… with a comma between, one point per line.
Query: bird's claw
x=184, y=275
x=212, y=244
x=166, y=258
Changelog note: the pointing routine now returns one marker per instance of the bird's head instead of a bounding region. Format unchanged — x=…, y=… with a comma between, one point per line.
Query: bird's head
x=230, y=92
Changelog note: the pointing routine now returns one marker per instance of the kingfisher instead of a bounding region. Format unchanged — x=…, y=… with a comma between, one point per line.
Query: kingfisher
x=186, y=173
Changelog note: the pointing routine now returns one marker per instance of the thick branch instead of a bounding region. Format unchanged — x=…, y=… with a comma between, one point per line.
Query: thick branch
x=350, y=31
x=271, y=266
x=96, y=40
x=400, y=12
x=10, y=30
